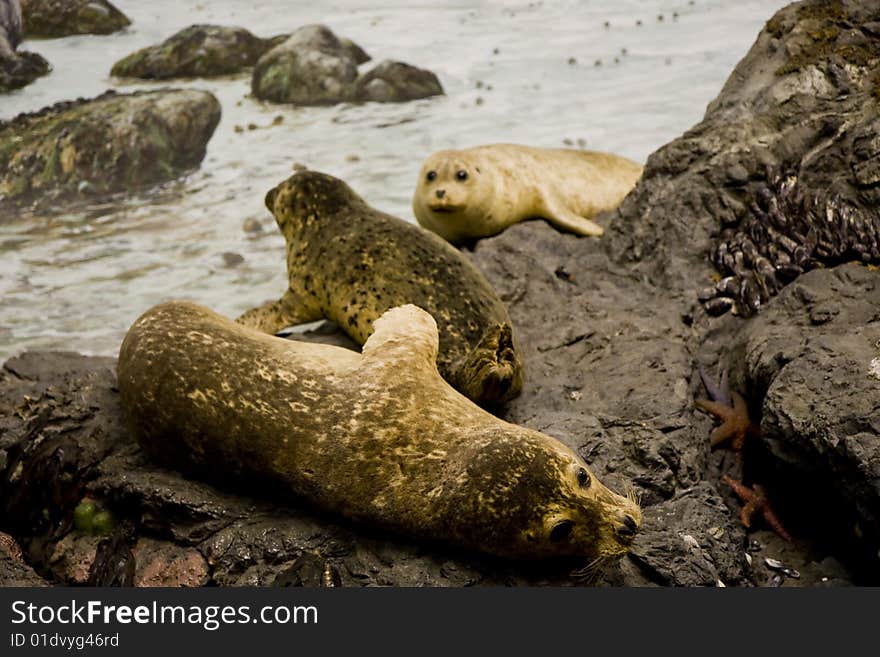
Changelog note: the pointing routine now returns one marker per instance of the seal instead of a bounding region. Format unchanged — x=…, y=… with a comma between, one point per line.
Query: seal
x=463, y=195
x=349, y=263
x=378, y=437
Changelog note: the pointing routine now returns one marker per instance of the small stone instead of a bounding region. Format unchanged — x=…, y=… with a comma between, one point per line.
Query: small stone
x=278, y=120
x=252, y=225
x=598, y=62
x=231, y=259
x=351, y=157
x=479, y=100
x=252, y=126
x=568, y=142
x=238, y=129
x=298, y=167
x=496, y=51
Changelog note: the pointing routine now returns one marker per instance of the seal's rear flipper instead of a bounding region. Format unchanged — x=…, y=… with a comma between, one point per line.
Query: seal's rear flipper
x=569, y=221
x=273, y=316
x=404, y=331
x=491, y=374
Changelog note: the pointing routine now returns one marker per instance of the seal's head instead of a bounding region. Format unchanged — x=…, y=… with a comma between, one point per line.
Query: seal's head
x=308, y=196
x=452, y=191
x=524, y=495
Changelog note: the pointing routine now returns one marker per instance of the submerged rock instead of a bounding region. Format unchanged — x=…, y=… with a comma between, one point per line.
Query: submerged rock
x=197, y=51
x=113, y=143
x=59, y=18
x=395, y=82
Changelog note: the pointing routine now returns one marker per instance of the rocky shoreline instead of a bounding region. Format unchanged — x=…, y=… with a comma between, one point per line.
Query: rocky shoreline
x=613, y=332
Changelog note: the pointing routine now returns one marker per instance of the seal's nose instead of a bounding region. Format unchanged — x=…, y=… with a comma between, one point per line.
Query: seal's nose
x=441, y=193
x=629, y=527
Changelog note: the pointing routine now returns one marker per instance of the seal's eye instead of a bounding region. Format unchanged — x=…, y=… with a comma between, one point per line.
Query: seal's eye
x=431, y=175
x=583, y=478
x=461, y=175
x=561, y=531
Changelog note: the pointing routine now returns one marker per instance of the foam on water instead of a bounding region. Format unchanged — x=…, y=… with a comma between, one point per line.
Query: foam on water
x=78, y=281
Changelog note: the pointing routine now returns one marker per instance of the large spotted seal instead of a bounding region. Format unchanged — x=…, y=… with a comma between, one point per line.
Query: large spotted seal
x=378, y=437
x=468, y=194
x=350, y=263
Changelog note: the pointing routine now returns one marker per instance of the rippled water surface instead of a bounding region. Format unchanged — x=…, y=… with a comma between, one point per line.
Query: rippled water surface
x=78, y=281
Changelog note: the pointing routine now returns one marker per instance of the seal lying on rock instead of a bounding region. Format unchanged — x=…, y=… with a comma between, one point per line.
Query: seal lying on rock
x=478, y=192
x=350, y=263
x=378, y=437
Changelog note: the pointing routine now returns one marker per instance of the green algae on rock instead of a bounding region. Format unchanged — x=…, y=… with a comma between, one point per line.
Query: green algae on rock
x=58, y=18
x=311, y=67
x=112, y=143
x=196, y=51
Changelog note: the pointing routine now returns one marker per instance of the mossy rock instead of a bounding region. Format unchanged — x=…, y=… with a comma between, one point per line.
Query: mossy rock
x=58, y=18
x=311, y=67
x=113, y=143
x=197, y=51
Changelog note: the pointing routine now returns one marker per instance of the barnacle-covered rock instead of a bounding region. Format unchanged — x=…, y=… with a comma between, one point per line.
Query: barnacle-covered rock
x=196, y=51
x=59, y=18
x=782, y=175
x=113, y=143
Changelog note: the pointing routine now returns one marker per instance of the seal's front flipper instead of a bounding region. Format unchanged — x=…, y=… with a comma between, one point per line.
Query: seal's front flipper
x=491, y=374
x=567, y=220
x=405, y=332
x=273, y=316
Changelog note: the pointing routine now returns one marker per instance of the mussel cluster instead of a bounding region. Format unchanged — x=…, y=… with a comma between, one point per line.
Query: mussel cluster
x=786, y=231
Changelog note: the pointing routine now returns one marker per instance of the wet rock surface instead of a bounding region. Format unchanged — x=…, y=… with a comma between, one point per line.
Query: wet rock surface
x=17, y=69
x=311, y=67
x=396, y=82
x=781, y=174
x=113, y=143
x=197, y=51
x=315, y=67
x=58, y=18
x=612, y=332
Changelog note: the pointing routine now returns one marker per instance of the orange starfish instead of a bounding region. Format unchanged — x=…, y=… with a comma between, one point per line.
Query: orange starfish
x=735, y=425
x=755, y=499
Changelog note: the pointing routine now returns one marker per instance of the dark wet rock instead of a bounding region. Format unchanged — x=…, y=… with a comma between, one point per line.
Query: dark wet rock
x=17, y=69
x=20, y=69
x=59, y=18
x=197, y=51
x=354, y=51
x=315, y=67
x=113, y=143
x=811, y=360
x=802, y=104
x=611, y=331
x=396, y=82
x=311, y=67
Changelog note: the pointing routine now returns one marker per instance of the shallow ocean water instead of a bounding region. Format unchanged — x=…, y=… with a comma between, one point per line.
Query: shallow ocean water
x=77, y=281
